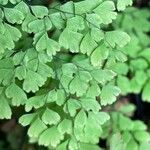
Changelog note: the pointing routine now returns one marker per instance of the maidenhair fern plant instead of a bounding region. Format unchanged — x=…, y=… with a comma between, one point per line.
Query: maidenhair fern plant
x=134, y=75
x=55, y=62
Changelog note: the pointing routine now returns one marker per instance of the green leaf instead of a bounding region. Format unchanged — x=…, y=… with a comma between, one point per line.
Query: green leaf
x=142, y=136
x=132, y=48
x=117, y=38
x=116, y=142
x=20, y=72
x=79, y=84
x=90, y=104
x=35, y=102
x=139, y=75
x=121, y=68
x=76, y=23
x=3, y=2
x=146, y=93
x=87, y=44
x=139, y=125
x=144, y=146
x=26, y=119
x=79, y=124
x=36, y=26
x=125, y=123
x=62, y=146
x=127, y=108
x=91, y=132
x=69, y=69
x=135, y=87
x=29, y=19
x=13, y=15
x=23, y=7
x=39, y=25
x=33, y=81
x=93, y=90
x=65, y=126
x=139, y=63
x=103, y=76
x=121, y=4
x=97, y=34
x=145, y=53
x=99, y=55
x=73, y=144
x=39, y=11
x=61, y=97
x=57, y=20
x=52, y=96
x=45, y=71
x=106, y=11
x=126, y=136
x=80, y=120
x=68, y=9
x=109, y=94
x=132, y=145
x=36, y=128
x=18, y=57
x=50, y=117
x=72, y=106
x=57, y=96
x=11, y=35
x=93, y=20
x=16, y=94
x=120, y=56
x=124, y=84
x=70, y=40
x=6, y=71
x=44, y=43
x=86, y=6
x=13, y=32
x=47, y=139
x=4, y=107
x=99, y=117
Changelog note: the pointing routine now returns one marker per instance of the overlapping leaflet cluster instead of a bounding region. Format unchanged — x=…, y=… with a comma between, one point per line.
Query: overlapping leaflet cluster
x=124, y=133
x=134, y=75
x=53, y=62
